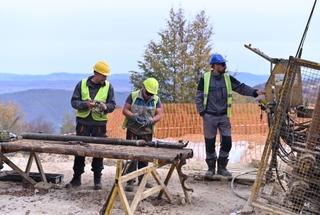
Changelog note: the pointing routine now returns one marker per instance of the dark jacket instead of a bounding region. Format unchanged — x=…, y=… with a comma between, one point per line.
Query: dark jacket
x=78, y=104
x=217, y=97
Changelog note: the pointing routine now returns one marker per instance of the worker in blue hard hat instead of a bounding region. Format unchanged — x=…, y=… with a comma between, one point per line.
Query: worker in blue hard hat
x=213, y=101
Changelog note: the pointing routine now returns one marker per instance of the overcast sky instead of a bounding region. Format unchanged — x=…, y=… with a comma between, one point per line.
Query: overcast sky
x=39, y=36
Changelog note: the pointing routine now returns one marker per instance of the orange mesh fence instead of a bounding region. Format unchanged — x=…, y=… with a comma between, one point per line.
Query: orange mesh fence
x=182, y=119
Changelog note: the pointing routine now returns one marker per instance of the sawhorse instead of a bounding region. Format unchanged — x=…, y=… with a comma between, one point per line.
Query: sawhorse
x=141, y=193
x=25, y=174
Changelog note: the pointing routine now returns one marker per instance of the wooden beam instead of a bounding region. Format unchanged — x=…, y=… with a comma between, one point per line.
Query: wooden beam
x=138, y=195
x=124, y=200
x=169, y=174
x=38, y=162
x=106, y=210
x=29, y=164
x=135, y=174
x=151, y=191
x=164, y=187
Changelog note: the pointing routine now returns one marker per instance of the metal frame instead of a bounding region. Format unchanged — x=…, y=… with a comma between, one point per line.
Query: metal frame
x=274, y=134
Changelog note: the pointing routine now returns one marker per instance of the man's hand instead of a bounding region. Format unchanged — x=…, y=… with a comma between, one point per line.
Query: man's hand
x=202, y=113
x=90, y=104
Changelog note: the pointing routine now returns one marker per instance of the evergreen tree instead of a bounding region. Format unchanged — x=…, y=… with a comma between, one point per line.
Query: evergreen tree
x=178, y=59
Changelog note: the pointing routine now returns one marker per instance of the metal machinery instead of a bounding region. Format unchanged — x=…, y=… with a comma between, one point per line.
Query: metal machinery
x=288, y=179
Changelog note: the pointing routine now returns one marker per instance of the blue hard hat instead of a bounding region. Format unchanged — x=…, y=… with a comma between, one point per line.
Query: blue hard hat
x=216, y=59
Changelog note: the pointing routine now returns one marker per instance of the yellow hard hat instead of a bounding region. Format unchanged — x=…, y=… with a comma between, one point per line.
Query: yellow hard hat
x=102, y=67
x=151, y=85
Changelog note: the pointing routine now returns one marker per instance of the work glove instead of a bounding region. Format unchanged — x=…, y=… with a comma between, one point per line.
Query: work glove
x=142, y=121
x=102, y=106
x=99, y=107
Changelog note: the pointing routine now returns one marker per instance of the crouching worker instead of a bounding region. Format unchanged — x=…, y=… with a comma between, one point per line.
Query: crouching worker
x=93, y=99
x=142, y=110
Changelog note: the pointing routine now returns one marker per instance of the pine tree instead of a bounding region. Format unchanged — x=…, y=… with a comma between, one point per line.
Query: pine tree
x=178, y=59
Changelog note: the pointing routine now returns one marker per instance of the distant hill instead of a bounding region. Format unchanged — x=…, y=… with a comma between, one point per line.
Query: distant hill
x=250, y=79
x=65, y=81
x=48, y=103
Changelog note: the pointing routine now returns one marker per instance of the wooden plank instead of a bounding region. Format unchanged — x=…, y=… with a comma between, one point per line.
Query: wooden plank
x=135, y=174
x=186, y=195
x=151, y=191
x=117, y=191
x=29, y=164
x=142, y=171
x=166, y=181
x=164, y=187
x=110, y=201
x=38, y=162
x=124, y=200
x=182, y=178
x=141, y=188
x=119, y=166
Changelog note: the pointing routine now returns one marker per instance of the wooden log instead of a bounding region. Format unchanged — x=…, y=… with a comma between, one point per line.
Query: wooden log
x=100, y=151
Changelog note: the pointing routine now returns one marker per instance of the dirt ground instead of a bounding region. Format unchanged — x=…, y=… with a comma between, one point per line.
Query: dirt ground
x=208, y=198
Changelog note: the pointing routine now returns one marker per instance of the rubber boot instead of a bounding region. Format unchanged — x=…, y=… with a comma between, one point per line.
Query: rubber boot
x=211, y=168
x=75, y=181
x=97, y=181
x=222, y=167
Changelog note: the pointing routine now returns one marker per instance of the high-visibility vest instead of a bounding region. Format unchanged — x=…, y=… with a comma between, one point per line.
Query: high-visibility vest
x=101, y=96
x=206, y=78
x=134, y=96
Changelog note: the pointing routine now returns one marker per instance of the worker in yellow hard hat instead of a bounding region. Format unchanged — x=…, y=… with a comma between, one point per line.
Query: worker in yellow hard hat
x=93, y=98
x=142, y=111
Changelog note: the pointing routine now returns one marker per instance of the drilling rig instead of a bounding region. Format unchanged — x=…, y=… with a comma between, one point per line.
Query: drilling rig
x=288, y=179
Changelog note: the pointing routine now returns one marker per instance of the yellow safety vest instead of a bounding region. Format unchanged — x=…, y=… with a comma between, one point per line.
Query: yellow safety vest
x=134, y=96
x=101, y=96
x=206, y=78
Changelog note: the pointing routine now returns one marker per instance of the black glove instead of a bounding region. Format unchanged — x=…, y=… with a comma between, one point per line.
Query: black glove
x=139, y=120
x=202, y=113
